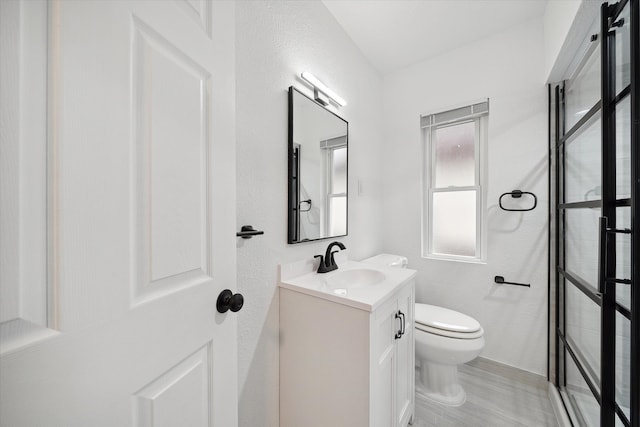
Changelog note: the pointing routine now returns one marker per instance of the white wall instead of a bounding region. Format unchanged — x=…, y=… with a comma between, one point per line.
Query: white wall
x=568, y=26
x=558, y=17
x=509, y=69
x=276, y=41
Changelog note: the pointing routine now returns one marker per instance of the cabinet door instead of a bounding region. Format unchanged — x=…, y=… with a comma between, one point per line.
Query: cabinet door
x=405, y=361
x=385, y=327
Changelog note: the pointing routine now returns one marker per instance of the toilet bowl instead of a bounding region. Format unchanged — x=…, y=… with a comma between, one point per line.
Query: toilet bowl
x=444, y=339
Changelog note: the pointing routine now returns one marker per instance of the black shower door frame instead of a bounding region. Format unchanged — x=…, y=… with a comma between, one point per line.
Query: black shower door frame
x=605, y=294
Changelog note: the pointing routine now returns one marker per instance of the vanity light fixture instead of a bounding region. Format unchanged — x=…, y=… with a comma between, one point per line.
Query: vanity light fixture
x=320, y=89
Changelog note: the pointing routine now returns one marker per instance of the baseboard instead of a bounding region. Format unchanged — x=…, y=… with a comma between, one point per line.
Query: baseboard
x=527, y=377
x=558, y=407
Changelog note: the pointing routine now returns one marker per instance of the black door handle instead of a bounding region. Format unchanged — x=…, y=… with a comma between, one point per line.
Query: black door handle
x=402, y=323
x=227, y=300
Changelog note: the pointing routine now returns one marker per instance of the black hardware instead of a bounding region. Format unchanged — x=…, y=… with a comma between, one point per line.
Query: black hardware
x=500, y=280
x=618, y=23
x=400, y=315
x=329, y=263
x=607, y=249
x=399, y=332
x=621, y=281
x=634, y=380
x=247, y=232
x=516, y=194
x=605, y=232
x=295, y=205
x=619, y=230
x=227, y=300
x=322, y=268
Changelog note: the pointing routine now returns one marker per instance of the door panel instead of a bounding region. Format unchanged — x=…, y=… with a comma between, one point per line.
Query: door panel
x=384, y=359
x=141, y=221
x=171, y=98
x=23, y=170
x=406, y=360
x=179, y=397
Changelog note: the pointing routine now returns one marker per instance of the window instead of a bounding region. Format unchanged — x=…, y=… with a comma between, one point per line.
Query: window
x=454, y=202
x=335, y=149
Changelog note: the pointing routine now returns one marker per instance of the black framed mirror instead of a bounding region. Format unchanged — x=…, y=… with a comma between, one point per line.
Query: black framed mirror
x=318, y=171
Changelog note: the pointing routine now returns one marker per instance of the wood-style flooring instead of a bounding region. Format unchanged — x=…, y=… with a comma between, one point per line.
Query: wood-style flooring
x=497, y=395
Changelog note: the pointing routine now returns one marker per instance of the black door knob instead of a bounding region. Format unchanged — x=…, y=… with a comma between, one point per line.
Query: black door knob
x=227, y=300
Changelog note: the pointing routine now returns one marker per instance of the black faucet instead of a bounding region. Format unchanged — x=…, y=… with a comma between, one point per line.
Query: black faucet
x=328, y=263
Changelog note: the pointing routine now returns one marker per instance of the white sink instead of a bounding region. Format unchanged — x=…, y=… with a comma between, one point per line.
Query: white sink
x=356, y=284
x=356, y=277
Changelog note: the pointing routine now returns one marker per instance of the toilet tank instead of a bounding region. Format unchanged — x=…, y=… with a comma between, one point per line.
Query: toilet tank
x=388, y=260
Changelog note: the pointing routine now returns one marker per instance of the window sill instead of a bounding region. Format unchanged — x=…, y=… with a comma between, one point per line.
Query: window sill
x=455, y=259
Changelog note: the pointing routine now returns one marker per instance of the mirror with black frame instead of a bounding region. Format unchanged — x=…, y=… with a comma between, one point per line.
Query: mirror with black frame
x=318, y=166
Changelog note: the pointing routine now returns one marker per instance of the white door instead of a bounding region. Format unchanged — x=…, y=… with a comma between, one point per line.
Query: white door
x=117, y=213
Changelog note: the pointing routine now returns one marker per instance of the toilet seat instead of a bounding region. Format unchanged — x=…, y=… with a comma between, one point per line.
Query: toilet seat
x=448, y=323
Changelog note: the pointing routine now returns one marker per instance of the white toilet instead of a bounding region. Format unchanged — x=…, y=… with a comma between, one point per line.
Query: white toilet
x=443, y=339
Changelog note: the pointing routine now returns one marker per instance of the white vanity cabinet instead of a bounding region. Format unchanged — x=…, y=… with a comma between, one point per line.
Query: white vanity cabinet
x=393, y=361
x=342, y=364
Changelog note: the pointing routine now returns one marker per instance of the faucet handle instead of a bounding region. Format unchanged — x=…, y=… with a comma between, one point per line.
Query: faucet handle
x=322, y=268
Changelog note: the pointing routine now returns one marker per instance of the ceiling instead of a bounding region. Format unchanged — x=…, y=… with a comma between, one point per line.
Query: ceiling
x=394, y=34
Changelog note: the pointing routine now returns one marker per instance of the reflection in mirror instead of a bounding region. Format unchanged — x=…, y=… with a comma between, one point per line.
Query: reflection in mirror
x=318, y=164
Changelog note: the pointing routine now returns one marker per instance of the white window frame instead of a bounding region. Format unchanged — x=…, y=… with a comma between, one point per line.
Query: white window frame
x=477, y=113
x=329, y=146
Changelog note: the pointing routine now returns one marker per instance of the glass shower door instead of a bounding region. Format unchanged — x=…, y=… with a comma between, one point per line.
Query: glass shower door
x=595, y=212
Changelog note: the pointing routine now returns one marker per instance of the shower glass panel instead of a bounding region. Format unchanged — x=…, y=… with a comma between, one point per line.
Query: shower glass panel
x=623, y=51
x=581, y=245
x=583, y=91
x=584, y=404
x=623, y=148
x=580, y=192
x=596, y=220
x=582, y=330
x=623, y=259
x=623, y=363
x=582, y=172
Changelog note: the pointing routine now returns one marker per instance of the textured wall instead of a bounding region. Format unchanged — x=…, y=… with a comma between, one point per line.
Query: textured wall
x=276, y=41
x=508, y=68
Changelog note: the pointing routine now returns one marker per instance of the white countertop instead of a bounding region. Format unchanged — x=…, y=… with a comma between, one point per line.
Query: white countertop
x=301, y=277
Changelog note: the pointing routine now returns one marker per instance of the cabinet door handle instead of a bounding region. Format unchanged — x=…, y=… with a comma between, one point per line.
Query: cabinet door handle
x=402, y=323
x=400, y=331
